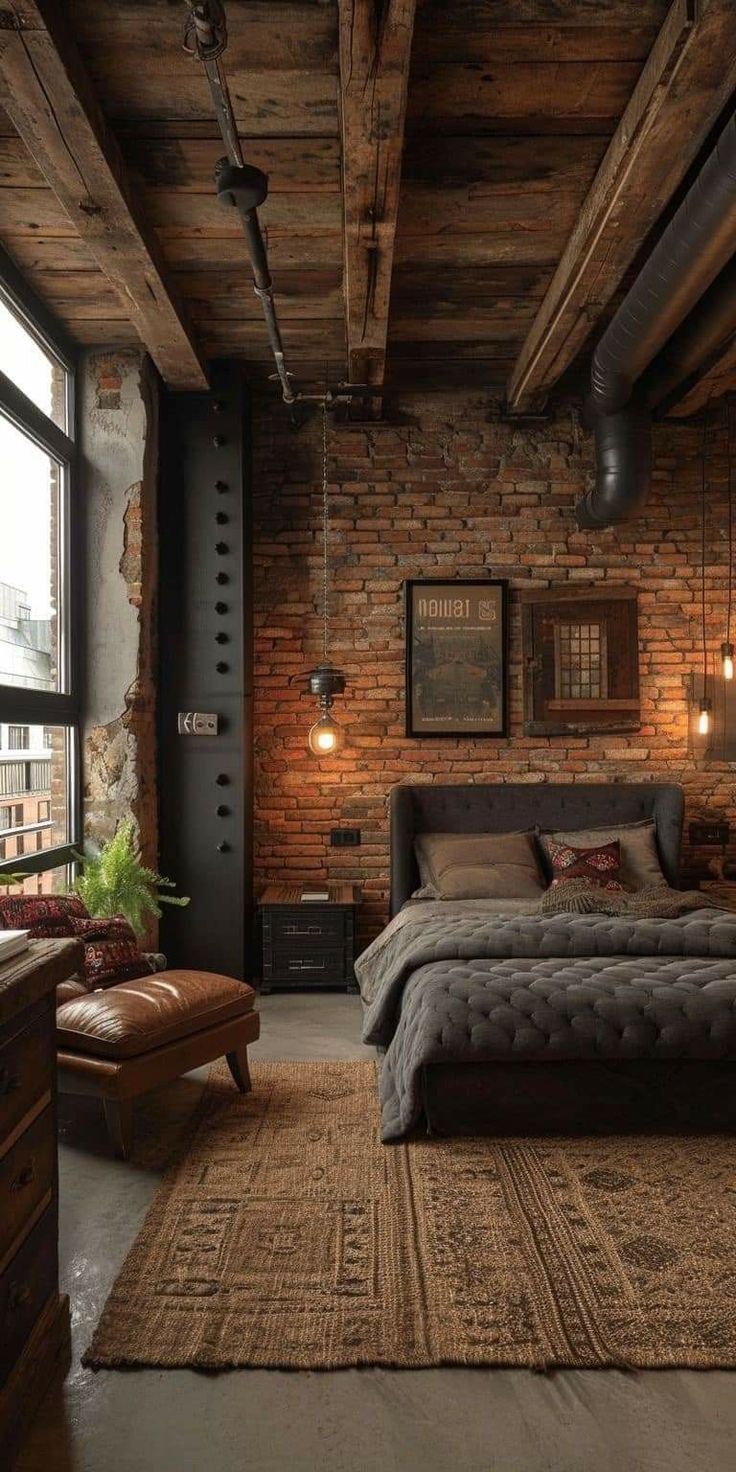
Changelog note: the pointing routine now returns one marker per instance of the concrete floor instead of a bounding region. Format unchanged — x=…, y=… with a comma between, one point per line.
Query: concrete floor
x=345, y=1421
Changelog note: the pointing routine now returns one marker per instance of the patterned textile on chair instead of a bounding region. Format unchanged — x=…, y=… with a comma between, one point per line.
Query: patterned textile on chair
x=111, y=949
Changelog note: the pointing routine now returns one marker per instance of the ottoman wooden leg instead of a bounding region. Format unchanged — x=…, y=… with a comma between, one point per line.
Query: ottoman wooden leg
x=237, y=1062
x=119, y=1121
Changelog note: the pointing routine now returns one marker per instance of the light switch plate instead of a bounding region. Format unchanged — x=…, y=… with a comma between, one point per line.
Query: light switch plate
x=198, y=723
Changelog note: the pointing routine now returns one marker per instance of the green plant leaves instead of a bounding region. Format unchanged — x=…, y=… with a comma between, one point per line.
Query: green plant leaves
x=115, y=882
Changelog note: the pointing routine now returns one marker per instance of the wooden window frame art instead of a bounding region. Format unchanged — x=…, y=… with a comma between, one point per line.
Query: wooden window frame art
x=610, y=617
x=457, y=591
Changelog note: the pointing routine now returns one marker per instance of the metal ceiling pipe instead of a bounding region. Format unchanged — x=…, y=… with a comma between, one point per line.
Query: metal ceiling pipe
x=696, y=245
x=238, y=184
x=697, y=344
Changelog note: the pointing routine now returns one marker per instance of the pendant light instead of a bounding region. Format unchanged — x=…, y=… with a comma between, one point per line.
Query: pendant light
x=727, y=655
x=325, y=681
x=705, y=704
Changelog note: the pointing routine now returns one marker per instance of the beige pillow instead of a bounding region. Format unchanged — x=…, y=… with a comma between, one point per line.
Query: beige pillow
x=478, y=866
x=640, y=865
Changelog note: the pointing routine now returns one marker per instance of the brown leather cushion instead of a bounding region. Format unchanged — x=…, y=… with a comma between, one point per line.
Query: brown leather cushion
x=68, y=990
x=138, y=1016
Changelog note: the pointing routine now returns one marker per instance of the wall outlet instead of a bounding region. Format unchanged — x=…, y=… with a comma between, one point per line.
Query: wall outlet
x=708, y=831
x=344, y=837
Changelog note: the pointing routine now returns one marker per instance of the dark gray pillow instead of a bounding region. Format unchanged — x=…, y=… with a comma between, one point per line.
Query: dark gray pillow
x=475, y=866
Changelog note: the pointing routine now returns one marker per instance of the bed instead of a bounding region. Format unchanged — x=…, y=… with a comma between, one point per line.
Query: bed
x=494, y=1018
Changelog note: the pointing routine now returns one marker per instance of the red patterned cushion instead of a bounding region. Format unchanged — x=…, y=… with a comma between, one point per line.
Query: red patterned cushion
x=45, y=916
x=111, y=951
x=599, y=867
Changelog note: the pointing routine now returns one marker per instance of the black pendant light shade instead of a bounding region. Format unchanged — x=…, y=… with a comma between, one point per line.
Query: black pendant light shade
x=325, y=736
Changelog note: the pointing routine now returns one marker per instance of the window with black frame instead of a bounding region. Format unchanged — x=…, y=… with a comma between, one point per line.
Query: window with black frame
x=39, y=685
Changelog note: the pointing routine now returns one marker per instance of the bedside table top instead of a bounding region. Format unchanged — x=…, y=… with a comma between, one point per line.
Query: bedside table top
x=291, y=894
x=724, y=887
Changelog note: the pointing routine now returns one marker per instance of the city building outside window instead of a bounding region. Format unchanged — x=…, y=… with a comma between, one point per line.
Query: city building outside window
x=39, y=684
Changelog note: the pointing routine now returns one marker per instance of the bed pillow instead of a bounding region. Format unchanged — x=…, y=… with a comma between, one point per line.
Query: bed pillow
x=639, y=858
x=478, y=866
x=600, y=866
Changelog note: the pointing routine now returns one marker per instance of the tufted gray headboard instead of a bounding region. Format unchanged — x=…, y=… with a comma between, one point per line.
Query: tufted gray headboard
x=511, y=806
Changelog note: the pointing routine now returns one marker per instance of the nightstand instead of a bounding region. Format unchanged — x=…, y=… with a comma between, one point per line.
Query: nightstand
x=722, y=891
x=308, y=943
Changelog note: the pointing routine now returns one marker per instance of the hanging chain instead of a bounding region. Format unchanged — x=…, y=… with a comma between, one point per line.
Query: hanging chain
x=703, y=496
x=729, y=429
x=325, y=531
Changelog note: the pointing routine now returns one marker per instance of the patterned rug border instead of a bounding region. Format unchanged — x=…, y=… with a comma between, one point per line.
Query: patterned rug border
x=568, y=1297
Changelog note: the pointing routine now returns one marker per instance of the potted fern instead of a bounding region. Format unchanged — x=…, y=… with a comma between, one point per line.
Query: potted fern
x=113, y=881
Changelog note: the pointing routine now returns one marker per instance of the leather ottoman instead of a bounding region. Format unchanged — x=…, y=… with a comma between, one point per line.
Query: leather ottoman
x=119, y=1043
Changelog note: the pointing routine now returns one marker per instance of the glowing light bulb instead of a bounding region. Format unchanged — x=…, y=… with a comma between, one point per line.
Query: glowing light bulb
x=704, y=718
x=325, y=736
x=727, y=658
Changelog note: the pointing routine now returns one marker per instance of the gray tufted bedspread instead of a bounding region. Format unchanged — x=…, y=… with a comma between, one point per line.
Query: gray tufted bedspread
x=469, y=986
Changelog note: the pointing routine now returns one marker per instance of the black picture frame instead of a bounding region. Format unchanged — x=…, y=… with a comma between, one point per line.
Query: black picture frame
x=454, y=622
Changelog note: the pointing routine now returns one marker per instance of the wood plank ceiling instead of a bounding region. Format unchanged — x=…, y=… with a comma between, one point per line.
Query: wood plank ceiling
x=511, y=107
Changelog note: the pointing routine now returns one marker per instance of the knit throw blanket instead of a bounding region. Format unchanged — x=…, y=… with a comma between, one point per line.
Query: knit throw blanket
x=578, y=897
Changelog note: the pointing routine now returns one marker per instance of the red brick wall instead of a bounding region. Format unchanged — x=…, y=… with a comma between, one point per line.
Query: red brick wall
x=449, y=492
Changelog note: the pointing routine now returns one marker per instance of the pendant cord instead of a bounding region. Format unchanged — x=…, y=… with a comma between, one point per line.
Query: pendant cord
x=729, y=428
x=325, y=531
x=702, y=555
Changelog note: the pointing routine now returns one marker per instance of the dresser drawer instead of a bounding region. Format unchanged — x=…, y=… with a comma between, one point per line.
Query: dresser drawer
x=27, y=1064
x=26, y=1176
x=298, y=929
x=25, y=1286
x=325, y=965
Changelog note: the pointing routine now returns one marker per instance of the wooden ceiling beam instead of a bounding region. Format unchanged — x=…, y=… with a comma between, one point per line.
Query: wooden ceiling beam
x=686, y=82
x=375, y=50
x=48, y=95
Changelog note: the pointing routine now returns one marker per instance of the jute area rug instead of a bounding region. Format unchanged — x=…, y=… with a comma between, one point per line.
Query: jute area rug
x=287, y=1235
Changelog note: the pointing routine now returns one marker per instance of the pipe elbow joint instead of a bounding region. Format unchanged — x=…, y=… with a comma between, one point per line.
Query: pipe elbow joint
x=623, y=446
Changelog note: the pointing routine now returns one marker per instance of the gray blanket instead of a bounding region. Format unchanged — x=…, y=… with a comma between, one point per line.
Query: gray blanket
x=464, y=982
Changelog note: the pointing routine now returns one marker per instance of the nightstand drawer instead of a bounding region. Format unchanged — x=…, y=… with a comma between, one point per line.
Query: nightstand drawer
x=297, y=929
x=324, y=965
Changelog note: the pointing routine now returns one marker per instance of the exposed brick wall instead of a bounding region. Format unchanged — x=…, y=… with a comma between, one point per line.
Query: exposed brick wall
x=449, y=492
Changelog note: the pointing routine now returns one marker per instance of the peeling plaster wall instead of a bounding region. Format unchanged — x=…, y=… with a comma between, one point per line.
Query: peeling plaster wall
x=119, y=443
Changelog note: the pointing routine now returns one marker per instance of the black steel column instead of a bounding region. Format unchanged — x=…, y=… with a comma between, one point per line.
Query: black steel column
x=205, y=665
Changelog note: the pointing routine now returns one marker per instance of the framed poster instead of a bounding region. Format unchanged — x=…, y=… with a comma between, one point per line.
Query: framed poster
x=456, y=658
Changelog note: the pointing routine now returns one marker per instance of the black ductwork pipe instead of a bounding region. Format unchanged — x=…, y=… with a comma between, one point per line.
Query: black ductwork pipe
x=696, y=245
x=696, y=345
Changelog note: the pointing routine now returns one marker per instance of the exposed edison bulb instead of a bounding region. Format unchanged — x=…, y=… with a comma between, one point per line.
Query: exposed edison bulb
x=727, y=661
x=325, y=736
x=704, y=718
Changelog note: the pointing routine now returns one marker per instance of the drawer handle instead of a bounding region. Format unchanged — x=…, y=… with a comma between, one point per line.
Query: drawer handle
x=8, y=1081
x=24, y=1177
x=18, y=1295
x=308, y=930
x=306, y=965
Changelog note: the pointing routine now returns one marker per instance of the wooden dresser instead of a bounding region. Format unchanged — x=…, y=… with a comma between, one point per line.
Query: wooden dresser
x=34, y=1317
